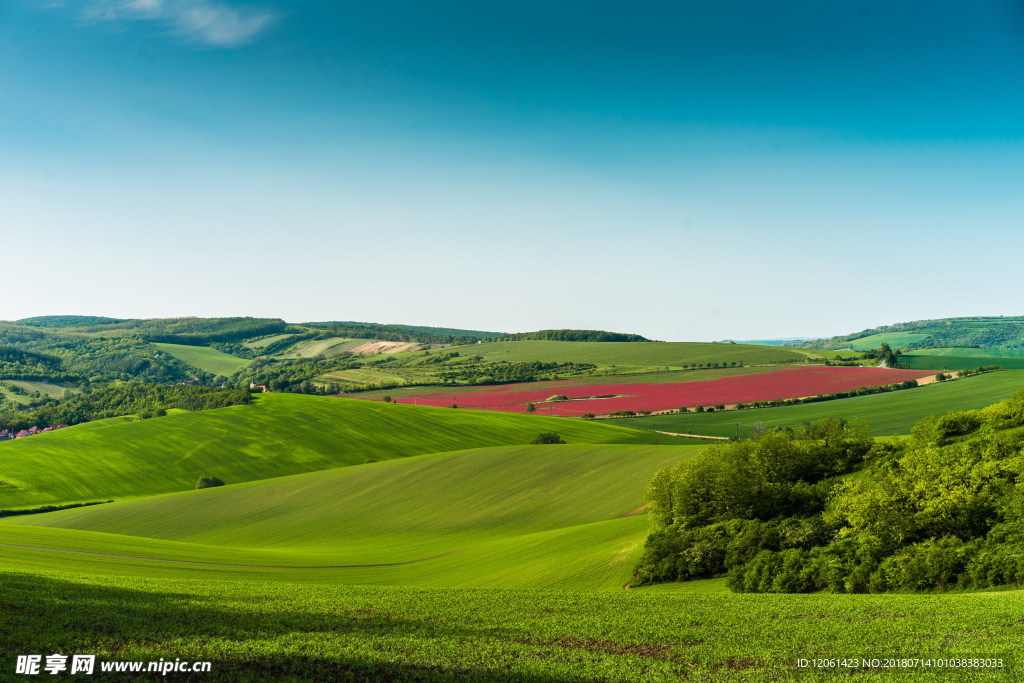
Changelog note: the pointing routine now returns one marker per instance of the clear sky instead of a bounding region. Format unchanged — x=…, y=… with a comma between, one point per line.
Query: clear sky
x=683, y=170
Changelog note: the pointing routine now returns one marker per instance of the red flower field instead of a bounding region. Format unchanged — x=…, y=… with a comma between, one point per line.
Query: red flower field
x=602, y=399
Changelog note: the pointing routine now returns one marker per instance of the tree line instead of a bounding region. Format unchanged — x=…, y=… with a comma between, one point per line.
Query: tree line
x=826, y=508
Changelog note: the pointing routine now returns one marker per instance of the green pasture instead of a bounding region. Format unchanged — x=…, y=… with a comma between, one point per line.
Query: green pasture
x=46, y=388
x=290, y=632
x=644, y=354
x=896, y=340
x=266, y=341
x=334, y=346
x=890, y=413
x=963, y=358
x=205, y=358
x=537, y=516
x=276, y=435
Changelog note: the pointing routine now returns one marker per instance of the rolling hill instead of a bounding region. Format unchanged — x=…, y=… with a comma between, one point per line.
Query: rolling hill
x=1003, y=332
x=277, y=434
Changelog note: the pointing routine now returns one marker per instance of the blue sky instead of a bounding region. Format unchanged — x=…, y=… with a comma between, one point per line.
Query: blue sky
x=688, y=171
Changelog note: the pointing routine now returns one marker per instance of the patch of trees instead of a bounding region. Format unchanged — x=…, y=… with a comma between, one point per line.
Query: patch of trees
x=60, y=321
x=548, y=437
x=123, y=398
x=574, y=335
x=49, y=508
x=403, y=333
x=824, y=508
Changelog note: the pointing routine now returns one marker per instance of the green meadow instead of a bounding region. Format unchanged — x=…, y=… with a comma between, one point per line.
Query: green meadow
x=643, y=354
x=894, y=339
x=276, y=435
x=890, y=413
x=205, y=358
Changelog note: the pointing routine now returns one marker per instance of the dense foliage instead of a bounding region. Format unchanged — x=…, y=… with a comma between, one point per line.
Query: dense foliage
x=123, y=398
x=406, y=333
x=822, y=508
x=505, y=372
x=575, y=335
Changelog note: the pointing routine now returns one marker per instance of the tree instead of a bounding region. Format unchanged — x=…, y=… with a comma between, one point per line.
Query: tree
x=530, y=408
x=206, y=482
x=548, y=437
x=588, y=416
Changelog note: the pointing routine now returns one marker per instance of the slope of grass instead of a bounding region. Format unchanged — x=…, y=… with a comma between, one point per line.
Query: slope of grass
x=541, y=516
x=890, y=413
x=288, y=632
x=896, y=340
x=647, y=354
x=51, y=389
x=963, y=358
x=328, y=348
x=205, y=358
x=278, y=434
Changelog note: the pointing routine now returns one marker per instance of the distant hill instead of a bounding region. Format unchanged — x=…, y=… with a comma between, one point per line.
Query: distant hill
x=1003, y=332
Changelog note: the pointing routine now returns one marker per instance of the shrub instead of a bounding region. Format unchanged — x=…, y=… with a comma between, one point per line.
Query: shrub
x=548, y=437
x=206, y=482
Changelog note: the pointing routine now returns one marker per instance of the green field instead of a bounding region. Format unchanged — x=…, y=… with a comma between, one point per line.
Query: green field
x=890, y=413
x=327, y=348
x=642, y=354
x=896, y=340
x=963, y=358
x=266, y=341
x=540, y=516
x=51, y=389
x=205, y=358
x=278, y=434
x=286, y=632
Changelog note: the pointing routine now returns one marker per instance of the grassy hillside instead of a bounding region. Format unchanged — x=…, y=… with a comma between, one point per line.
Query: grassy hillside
x=1005, y=332
x=960, y=358
x=281, y=631
x=896, y=340
x=278, y=434
x=668, y=354
x=205, y=358
x=524, y=515
x=890, y=413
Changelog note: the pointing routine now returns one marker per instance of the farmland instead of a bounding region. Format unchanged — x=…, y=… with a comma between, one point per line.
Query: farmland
x=890, y=413
x=635, y=354
x=276, y=435
x=605, y=398
x=366, y=632
x=205, y=358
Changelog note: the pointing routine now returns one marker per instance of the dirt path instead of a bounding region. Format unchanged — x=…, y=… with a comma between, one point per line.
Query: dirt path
x=695, y=436
x=226, y=564
x=640, y=509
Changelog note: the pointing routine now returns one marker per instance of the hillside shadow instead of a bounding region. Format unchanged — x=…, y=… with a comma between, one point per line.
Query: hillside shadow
x=45, y=615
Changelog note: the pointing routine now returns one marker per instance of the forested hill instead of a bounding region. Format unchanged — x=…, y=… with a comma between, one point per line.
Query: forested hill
x=1003, y=332
x=574, y=336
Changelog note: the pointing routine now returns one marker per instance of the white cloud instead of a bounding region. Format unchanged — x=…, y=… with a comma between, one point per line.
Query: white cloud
x=207, y=22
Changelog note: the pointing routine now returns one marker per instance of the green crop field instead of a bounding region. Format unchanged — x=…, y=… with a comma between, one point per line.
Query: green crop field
x=641, y=354
x=205, y=358
x=328, y=348
x=266, y=341
x=889, y=413
x=278, y=434
x=961, y=358
x=263, y=631
x=51, y=389
x=894, y=339
x=539, y=516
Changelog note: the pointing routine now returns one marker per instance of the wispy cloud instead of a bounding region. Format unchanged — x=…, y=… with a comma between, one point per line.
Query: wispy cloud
x=206, y=22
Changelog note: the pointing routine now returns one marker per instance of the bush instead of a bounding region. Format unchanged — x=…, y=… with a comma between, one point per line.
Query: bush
x=206, y=482
x=548, y=437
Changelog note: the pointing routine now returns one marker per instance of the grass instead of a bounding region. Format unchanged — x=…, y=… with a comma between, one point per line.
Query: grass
x=643, y=354
x=266, y=341
x=540, y=516
x=46, y=388
x=205, y=358
x=334, y=346
x=890, y=413
x=278, y=434
x=963, y=358
x=287, y=632
x=894, y=339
